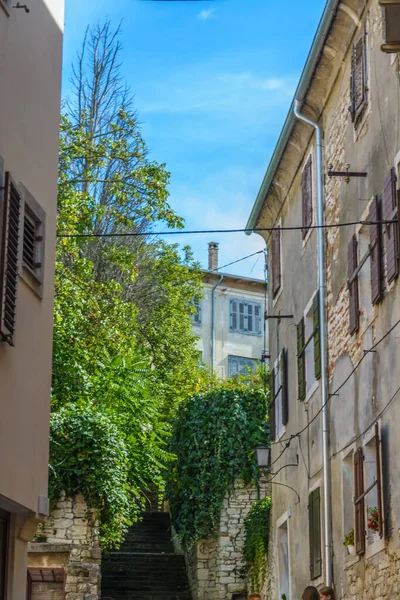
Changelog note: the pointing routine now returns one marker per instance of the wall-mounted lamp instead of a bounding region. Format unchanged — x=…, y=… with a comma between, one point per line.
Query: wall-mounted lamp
x=391, y=29
x=263, y=455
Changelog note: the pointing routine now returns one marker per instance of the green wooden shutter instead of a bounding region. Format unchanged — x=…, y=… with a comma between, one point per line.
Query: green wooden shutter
x=272, y=427
x=389, y=202
x=301, y=372
x=317, y=337
x=284, y=382
x=314, y=520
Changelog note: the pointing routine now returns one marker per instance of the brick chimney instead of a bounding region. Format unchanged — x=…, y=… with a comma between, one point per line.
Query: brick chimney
x=212, y=256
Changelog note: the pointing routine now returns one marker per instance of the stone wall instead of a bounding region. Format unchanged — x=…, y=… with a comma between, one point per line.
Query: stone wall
x=69, y=540
x=215, y=566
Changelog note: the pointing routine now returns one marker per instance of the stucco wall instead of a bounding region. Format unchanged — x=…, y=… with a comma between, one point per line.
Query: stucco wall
x=215, y=565
x=69, y=540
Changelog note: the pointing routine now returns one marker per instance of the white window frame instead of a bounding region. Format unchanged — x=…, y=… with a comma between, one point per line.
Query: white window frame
x=313, y=194
x=378, y=545
x=246, y=302
x=308, y=354
x=285, y=518
x=198, y=314
x=345, y=454
x=368, y=311
x=232, y=357
x=280, y=428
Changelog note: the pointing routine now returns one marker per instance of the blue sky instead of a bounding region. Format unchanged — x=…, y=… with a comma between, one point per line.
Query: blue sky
x=212, y=82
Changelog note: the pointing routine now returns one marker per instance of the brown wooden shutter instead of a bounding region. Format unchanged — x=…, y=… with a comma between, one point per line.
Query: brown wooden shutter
x=276, y=261
x=375, y=244
x=379, y=479
x=272, y=427
x=354, y=307
x=301, y=365
x=285, y=387
x=314, y=519
x=9, y=259
x=306, y=190
x=359, y=504
x=389, y=201
x=317, y=337
x=358, y=81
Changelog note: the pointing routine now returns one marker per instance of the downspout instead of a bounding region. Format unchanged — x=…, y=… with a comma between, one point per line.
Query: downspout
x=324, y=372
x=212, y=320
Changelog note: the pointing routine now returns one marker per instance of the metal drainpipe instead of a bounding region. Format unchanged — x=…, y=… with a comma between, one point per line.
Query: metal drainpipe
x=324, y=373
x=212, y=320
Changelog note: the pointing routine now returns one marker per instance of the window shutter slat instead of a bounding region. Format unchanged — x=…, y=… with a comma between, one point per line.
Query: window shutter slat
x=359, y=506
x=301, y=374
x=285, y=387
x=9, y=259
x=306, y=190
x=276, y=261
x=379, y=479
x=354, y=308
x=314, y=516
x=317, y=337
x=311, y=536
x=272, y=406
x=389, y=202
x=375, y=236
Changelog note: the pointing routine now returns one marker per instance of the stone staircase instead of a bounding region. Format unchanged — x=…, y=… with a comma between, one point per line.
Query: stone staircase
x=145, y=567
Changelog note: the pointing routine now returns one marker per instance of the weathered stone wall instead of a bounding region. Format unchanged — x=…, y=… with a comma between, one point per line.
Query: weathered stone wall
x=69, y=540
x=215, y=566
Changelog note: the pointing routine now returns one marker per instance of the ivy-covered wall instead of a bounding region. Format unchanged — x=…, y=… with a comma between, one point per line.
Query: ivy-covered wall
x=215, y=565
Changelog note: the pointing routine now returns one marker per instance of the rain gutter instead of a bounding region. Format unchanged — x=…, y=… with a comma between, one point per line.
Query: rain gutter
x=301, y=92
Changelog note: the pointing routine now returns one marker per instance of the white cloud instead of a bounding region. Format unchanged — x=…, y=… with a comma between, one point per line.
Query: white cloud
x=205, y=14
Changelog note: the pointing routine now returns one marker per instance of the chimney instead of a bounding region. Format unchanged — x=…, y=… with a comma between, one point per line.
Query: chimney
x=212, y=256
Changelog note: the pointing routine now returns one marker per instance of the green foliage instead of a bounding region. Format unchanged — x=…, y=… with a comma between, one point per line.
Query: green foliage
x=257, y=525
x=88, y=455
x=214, y=438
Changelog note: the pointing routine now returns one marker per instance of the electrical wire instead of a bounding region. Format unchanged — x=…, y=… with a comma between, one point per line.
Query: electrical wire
x=214, y=231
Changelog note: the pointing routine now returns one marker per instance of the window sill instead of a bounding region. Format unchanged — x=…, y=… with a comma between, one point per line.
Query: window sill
x=31, y=281
x=374, y=548
x=308, y=235
x=276, y=299
x=280, y=435
x=310, y=393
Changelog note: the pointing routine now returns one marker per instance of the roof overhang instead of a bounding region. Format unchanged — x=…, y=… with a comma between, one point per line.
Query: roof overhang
x=300, y=94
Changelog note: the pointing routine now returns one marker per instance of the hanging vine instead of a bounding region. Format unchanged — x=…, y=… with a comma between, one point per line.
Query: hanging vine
x=255, y=550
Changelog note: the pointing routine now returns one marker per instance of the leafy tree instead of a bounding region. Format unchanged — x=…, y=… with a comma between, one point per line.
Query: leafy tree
x=214, y=437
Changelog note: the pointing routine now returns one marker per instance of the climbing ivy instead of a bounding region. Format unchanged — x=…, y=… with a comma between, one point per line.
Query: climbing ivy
x=214, y=438
x=256, y=543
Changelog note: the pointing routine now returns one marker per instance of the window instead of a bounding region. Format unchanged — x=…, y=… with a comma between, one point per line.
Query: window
x=347, y=501
x=196, y=317
x=245, y=317
x=199, y=357
x=359, y=81
x=283, y=560
x=390, y=212
x=314, y=521
x=240, y=365
x=46, y=584
x=391, y=26
x=368, y=499
x=279, y=405
x=4, y=520
x=307, y=196
x=276, y=262
x=32, y=259
x=9, y=246
x=308, y=350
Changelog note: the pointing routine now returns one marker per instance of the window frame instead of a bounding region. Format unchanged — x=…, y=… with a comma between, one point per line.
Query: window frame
x=308, y=339
x=277, y=231
x=198, y=313
x=246, y=303
x=315, y=577
x=285, y=518
x=30, y=581
x=307, y=231
x=347, y=456
x=233, y=357
x=32, y=210
x=357, y=112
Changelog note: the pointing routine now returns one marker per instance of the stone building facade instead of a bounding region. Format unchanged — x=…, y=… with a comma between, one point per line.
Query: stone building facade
x=66, y=557
x=215, y=566
x=352, y=88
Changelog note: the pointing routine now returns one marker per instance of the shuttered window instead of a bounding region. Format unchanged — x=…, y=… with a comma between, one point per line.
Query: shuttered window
x=376, y=254
x=301, y=366
x=358, y=84
x=307, y=196
x=276, y=262
x=33, y=241
x=279, y=399
x=197, y=315
x=359, y=503
x=9, y=259
x=354, y=307
x=317, y=337
x=390, y=212
x=245, y=317
x=314, y=520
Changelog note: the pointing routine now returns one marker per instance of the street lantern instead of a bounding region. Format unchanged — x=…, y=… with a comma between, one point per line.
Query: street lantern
x=263, y=457
x=391, y=28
